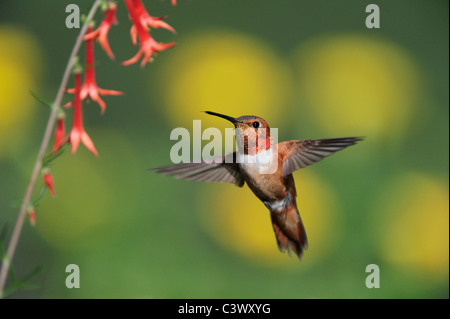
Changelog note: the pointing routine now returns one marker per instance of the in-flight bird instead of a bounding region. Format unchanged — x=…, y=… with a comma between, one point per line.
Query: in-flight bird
x=267, y=169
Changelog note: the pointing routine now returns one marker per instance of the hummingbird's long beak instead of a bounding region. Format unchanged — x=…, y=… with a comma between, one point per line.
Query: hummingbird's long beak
x=226, y=117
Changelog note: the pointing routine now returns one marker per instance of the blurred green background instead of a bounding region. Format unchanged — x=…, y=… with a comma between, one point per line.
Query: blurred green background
x=311, y=69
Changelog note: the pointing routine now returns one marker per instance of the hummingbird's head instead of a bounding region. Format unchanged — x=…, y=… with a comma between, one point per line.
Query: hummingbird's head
x=252, y=133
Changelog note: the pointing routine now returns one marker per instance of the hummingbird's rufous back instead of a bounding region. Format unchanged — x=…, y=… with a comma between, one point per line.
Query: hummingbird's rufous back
x=267, y=170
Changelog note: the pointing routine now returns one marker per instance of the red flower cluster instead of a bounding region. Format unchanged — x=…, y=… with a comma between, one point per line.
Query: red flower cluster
x=142, y=21
x=145, y=20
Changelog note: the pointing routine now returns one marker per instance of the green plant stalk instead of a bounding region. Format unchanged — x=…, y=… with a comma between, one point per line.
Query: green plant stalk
x=7, y=260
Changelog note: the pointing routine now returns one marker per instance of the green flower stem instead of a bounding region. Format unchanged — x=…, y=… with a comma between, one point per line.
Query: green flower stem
x=7, y=260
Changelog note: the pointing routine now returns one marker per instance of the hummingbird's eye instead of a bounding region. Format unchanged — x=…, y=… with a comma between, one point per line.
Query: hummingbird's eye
x=256, y=124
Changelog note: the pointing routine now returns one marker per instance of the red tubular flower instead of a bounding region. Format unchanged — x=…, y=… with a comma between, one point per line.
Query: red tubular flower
x=148, y=45
x=48, y=180
x=147, y=20
x=102, y=31
x=60, y=134
x=90, y=88
x=174, y=2
x=78, y=133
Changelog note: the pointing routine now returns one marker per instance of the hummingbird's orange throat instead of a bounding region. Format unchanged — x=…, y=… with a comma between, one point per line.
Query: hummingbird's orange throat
x=255, y=146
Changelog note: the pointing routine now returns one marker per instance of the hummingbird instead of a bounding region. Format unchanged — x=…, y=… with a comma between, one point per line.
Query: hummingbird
x=267, y=169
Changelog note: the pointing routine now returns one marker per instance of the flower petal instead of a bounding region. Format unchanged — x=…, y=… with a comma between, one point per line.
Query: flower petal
x=158, y=23
x=92, y=35
x=134, y=59
x=93, y=94
x=133, y=34
x=109, y=92
x=88, y=143
x=74, y=138
x=103, y=40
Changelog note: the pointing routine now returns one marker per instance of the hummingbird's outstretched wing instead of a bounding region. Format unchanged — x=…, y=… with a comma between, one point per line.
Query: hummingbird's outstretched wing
x=225, y=170
x=301, y=153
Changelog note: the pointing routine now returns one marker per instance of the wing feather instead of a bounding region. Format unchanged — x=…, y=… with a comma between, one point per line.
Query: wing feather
x=302, y=153
x=225, y=170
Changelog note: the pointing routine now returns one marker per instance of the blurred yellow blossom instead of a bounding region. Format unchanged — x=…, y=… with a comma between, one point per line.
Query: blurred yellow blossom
x=357, y=84
x=20, y=62
x=412, y=225
x=227, y=72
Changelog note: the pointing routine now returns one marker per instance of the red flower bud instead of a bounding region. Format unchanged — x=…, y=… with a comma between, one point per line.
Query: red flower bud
x=60, y=133
x=31, y=213
x=48, y=180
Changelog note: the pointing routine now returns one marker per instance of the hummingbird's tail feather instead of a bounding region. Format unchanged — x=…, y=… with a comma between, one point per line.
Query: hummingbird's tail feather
x=289, y=230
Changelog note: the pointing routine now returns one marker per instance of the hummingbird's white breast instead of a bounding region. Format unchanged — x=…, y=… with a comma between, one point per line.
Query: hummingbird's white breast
x=264, y=162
